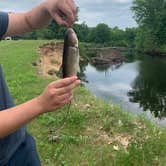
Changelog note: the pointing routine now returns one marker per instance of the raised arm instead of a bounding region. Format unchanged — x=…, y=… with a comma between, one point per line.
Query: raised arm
x=62, y=11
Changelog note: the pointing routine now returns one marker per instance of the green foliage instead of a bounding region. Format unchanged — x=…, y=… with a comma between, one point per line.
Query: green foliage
x=44, y=33
x=29, y=36
x=151, y=18
x=145, y=42
x=76, y=118
x=130, y=34
x=82, y=31
x=85, y=139
x=101, y=35
x=58, y=31
x=117, y=37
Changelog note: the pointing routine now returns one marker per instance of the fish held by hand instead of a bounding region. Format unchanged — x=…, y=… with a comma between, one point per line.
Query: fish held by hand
x=70, y=63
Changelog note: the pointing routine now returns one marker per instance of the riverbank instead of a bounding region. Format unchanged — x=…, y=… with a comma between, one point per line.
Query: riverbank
x=103, y=55
x=96, y=133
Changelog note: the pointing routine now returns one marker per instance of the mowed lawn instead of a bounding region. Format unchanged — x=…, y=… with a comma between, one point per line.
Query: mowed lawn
x=95, y=132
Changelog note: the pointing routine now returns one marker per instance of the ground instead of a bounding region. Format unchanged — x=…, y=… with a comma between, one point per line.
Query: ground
x=96, y=133
x=50, y=59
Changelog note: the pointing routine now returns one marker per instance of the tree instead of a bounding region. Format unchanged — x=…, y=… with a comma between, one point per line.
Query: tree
x=117, y=37
x=58, y=31
x=100, y=34
x=151, y=18
x=148, y=89
x=82, y=31
x=130, y=34
x=30, y=35
x=44, y=33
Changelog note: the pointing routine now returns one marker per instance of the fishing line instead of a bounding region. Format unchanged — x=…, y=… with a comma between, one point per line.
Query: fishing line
x=55, y=135
x=65, y=119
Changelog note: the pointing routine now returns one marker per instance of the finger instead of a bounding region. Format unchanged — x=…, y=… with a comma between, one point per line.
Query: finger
x=64, y=97
x=73, y=7
x=67, y=89
x=78, y=82
x=66, y=101
x=59, y=20
x=63, y=82
x=64, y=90
x=67, y=13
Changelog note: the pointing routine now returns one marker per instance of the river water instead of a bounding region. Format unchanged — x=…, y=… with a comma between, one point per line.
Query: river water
x=137, y=86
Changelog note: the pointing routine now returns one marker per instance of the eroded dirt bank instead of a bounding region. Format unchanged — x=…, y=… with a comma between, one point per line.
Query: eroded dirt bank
x=50, y=59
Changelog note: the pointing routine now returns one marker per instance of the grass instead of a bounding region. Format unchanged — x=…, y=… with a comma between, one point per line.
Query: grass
x=96, y=133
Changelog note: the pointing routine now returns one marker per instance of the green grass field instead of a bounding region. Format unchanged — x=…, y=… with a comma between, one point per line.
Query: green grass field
x=96, y=133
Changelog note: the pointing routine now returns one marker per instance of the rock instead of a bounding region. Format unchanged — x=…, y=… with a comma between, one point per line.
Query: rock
x=116, y=147
x=87, y=106
x=54, y=138
x=34, y=63
x=52, y=72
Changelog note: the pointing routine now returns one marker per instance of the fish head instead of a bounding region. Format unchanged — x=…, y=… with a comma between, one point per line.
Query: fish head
x=71, y=38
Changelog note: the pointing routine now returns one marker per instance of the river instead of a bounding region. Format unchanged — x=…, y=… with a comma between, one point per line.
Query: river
x=137, y=86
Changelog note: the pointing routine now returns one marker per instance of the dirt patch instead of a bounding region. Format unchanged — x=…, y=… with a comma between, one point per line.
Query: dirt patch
x=111, y=56
x=50, y=59
x=122, y=140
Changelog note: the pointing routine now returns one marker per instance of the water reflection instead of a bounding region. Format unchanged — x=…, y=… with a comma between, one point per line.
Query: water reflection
x=138, y=86
x=113, y=83
x=82, y=74
x=149, y=88
x=107, y=67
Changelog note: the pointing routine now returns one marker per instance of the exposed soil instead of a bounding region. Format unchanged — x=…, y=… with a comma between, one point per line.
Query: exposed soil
x=108, y=56
x=50, y=60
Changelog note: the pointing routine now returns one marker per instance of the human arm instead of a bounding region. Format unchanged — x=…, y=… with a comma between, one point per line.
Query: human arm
x=56, y=95
x=41, y=15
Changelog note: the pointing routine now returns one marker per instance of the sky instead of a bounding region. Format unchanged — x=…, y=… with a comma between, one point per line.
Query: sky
x=111, y=12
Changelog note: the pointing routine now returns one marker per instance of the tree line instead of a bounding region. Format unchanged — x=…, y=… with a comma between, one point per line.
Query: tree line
x=102, y=34
x=149, y=36
x=151, y=18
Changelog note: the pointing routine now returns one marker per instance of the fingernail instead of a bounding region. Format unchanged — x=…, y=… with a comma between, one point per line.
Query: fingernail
x=75, y=77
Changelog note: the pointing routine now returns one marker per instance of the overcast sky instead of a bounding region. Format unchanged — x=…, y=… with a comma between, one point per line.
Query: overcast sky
x=112, y=12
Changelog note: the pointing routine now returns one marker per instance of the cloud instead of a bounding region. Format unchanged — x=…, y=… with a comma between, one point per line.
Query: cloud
x=18, y=5
x=111, y=18
x=122, y=1
x=112, y=12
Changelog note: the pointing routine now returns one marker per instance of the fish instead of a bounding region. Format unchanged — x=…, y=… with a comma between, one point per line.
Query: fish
x=70, y=65
x=70, y=59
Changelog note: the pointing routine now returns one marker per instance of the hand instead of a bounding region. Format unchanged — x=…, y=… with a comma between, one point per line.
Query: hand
x=62, y=11
x=57, y=94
